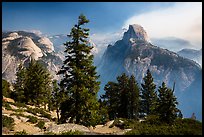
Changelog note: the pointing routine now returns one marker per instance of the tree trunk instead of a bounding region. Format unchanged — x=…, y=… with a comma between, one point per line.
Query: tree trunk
x=57, y=114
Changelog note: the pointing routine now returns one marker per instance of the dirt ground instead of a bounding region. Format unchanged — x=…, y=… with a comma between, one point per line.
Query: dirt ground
x=104, y=129
x=31, y=129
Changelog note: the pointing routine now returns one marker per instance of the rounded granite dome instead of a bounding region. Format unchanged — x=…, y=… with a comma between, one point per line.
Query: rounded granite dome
x=135, y=32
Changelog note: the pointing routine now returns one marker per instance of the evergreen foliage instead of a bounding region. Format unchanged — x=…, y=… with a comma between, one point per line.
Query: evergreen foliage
x=8, y=122
x=123, y=89
x=56, y=98
x=111, y=99
x=167, y=104
x=134, y=98
x=179, y=127
x=79, y=81
x=21, y=133
x=19, y=85
x=149, y=95
x=6, y=91
x=32, y=119
x=33, y=84
x=122, y=98
x=38, y=84
x=41, y=124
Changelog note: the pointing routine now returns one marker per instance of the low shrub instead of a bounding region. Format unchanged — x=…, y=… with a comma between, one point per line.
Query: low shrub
x=41, y=124
x=49, y=133
x=32, y=119
x=72, y=133
x=8, y=122
x=7, y=106
x=31, y=110
x=19, y=104
x=179, y=127
x=46, y=115
x=21, y=133
x=153, y=119
x=18, y=110
x=18, y=114
x=40, y=111
x=123, y=123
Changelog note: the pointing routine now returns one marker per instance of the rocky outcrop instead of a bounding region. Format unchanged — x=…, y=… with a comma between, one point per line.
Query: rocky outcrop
x=20, y=46
x=135, y=32
x=67, y=127
x=46, y=45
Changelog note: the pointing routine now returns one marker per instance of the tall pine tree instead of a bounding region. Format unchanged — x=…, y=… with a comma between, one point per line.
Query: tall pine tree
x=148, y=96
x=134, y=98
x=79, y=81
x=122, y=98
x=111, y=99
x=167, y=104
x=19, y=85
x=123, y=88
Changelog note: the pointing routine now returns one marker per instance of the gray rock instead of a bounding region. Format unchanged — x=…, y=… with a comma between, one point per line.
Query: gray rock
x=67, y=127
x=21, y=46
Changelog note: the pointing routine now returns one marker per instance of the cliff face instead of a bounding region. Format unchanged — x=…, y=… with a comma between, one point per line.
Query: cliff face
x=20, y=46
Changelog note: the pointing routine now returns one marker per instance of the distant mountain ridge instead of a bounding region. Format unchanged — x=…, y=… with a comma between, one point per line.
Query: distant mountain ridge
x=192, y=54
x=134, y=54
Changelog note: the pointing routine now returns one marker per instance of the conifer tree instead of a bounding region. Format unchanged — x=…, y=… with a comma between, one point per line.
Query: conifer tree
x=148, y=96
x=56, y=98
x=111, y=99
x=6, y=91
x=167, y=104
x=134, y=98
x=123, y=89
x=122, y=98
x=103, y=111
x=38, y=84
x=19, y=85
x=79, y=81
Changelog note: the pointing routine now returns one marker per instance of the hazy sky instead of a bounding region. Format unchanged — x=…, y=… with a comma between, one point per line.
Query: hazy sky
x=159, y=19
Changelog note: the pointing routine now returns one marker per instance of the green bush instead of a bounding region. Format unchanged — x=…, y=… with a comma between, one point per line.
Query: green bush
x=72, y=133
x=127, y=123
x=7, y=106
x=41, y=124
x=6, y=91
x=188, y=126
x=18, y=114
x=8, y=122
x=19, y=104
x=32, y=119
x=49, y=133
x=31, y=110
x=18, y=110
x=21, y=133
x=40, y=111
x=153, y=119
x=148, y=129
x=46, y=115
x=179, y=127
